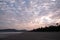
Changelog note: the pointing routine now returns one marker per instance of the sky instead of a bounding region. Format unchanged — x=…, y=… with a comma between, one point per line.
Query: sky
x=28, y=14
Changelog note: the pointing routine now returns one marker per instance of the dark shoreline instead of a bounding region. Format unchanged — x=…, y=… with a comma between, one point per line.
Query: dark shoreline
x=34, y=36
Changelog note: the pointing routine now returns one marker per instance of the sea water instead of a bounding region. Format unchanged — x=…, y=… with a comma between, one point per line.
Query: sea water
x=6, y=34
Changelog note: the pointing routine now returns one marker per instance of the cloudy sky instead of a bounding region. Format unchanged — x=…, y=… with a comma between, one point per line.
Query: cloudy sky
x=28, y=14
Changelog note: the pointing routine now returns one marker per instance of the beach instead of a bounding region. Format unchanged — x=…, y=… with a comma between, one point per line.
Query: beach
x=33, y=36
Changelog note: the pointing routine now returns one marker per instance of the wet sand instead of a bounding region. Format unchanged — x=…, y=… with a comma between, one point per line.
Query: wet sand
x=34, y=36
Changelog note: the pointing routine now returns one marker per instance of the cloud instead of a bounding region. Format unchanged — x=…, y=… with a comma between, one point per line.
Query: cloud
x=28, y=14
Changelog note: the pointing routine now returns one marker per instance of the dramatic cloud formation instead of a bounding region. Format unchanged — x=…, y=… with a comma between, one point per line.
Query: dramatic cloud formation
x=28, y=14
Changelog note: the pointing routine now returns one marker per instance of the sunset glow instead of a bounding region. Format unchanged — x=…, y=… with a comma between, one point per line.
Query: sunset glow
x=29, y=14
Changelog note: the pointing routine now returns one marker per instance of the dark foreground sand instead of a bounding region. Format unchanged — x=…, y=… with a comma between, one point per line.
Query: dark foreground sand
x=34, y=36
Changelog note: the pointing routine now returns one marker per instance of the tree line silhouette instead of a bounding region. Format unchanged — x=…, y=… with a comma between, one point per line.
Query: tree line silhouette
x=48, y=29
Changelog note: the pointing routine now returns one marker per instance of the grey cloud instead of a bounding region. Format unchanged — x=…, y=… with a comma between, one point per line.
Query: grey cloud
x=22, y=12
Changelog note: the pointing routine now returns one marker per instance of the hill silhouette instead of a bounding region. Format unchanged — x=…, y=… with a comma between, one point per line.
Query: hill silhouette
x=48, y=29
x=12, y=30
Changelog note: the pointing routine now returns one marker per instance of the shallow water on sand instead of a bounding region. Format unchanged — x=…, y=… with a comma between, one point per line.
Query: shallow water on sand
x=30, y=36
x=5, y=34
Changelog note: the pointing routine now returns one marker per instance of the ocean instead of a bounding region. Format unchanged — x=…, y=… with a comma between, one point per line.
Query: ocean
x=6, y=34
x=29, y=35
